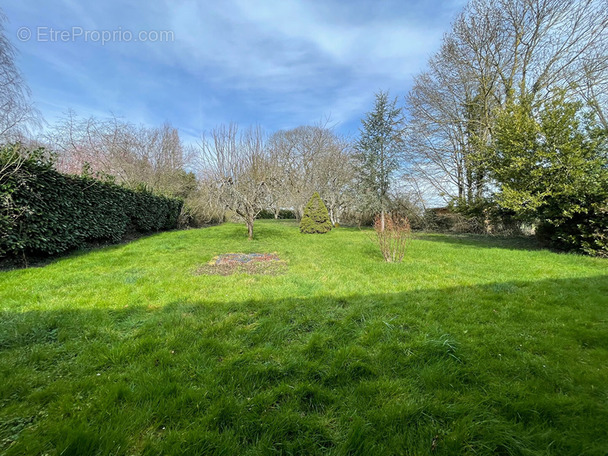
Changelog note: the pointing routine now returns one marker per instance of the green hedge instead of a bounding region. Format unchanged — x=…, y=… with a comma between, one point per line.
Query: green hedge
x=269, y=214
x=46, y=212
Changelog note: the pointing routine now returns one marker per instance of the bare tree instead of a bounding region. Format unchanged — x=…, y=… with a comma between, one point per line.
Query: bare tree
x=312, y=159
x=593, y=89
x=496, y=51
x=439, y=144
x=336, y=177
x=105, y=146
x=131, y=155
x=238, y=165
x=297, y=153
x=17, y=115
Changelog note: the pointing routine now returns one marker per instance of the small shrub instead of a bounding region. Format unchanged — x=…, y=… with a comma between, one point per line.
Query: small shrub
x=316, y=217
x=394, y=238
x=484, y=217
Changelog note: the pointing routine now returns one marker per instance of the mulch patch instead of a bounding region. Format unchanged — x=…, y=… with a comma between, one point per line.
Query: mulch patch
x=244, y=263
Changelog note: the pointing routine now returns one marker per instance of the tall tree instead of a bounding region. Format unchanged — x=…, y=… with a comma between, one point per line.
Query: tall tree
x=497, y=51
x=378, y=149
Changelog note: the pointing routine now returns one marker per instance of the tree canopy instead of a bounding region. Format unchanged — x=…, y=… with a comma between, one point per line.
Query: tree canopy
x=550, y=165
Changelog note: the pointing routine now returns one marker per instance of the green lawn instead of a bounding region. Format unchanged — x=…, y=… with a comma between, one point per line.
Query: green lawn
x=471, y=346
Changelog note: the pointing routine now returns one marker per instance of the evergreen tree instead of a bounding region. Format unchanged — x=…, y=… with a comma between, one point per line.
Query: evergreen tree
x=551, y=169
x=316, y=216
x=378, y=148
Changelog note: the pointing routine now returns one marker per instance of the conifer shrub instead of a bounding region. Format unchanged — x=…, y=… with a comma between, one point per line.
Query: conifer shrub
x=316, y=217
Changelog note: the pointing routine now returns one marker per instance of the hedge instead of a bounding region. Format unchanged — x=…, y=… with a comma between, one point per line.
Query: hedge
x=47, y=212
x=269, y=214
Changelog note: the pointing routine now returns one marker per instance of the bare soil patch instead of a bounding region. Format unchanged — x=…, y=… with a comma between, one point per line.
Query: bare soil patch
x=244, y=263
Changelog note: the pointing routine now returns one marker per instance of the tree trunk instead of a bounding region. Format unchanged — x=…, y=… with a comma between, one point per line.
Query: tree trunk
x=460, y=180
x=469, y=187
x=382, y=220
x=250, y=227
x=331, y=216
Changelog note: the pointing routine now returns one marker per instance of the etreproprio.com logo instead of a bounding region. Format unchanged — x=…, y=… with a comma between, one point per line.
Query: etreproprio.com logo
x=45, y=34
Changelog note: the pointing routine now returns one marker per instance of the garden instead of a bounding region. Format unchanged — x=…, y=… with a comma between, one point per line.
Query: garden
x=470, y=345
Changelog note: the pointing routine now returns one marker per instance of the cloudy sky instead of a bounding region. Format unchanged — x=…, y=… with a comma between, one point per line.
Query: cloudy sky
x=196, y=64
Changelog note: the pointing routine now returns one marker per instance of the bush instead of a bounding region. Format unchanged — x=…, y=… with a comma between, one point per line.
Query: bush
x=440, y=219
x=484, y=217
x=394, y=238
x=356, y=217
x=46, y=212
x=202, y=208
x=402, y=205
x=316, y=217
x=585, y=231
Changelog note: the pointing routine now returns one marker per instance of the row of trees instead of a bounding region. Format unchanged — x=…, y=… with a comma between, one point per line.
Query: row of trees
x=509, y=118
x=120, y=151
x=243, y=171
x=248, y=171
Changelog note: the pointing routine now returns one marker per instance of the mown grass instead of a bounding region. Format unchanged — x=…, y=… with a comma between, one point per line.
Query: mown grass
x=471, y=346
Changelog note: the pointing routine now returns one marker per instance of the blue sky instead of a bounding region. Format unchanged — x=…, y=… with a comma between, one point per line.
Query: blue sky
x=276, y=63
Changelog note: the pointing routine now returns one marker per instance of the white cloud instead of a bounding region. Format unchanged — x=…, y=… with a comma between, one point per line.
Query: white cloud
x=276, y=62
x=277, y=44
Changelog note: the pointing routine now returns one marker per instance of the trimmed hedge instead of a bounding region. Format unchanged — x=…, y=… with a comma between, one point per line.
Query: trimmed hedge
x=267, y=214
x=46, y=212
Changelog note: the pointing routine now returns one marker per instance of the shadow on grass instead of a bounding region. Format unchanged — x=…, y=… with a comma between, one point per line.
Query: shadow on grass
x=502, y=368
x=482, y=241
